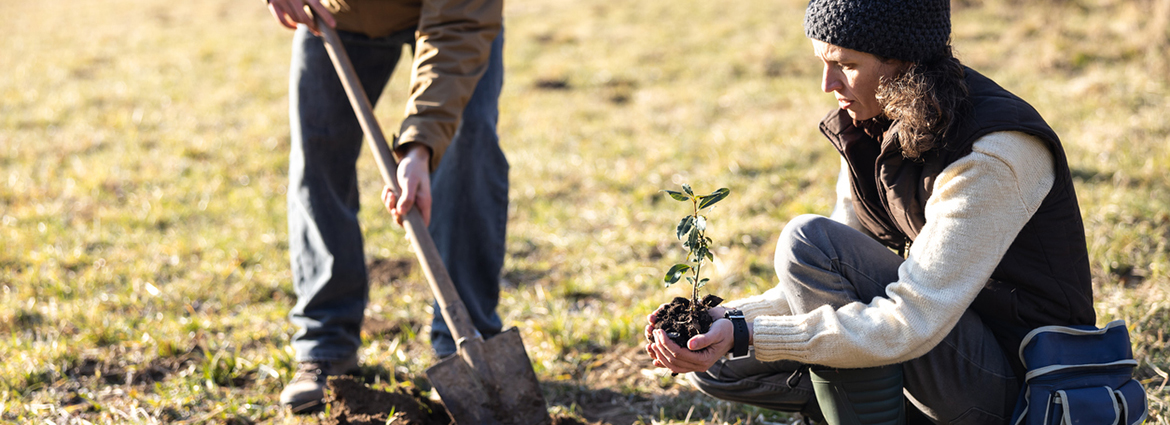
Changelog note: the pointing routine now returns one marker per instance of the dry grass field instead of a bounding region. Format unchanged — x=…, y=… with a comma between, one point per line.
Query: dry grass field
x=143, y=150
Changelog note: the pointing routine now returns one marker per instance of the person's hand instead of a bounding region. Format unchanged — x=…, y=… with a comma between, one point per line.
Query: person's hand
x=414, y=177
x=717, y=312
x=292, y=12
x=707, y=349
x=650, y=320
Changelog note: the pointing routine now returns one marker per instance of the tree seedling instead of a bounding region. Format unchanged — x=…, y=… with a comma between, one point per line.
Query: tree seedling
x=684, y=318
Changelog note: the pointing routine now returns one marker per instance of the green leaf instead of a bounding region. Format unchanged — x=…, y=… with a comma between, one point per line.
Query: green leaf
x=687, y=189
x=678, y=196
x=716, y=196
x=675, y=273
x=690, y=280
x=692, y=239
x=702, y=283
x=710, y=257
x=684, y=227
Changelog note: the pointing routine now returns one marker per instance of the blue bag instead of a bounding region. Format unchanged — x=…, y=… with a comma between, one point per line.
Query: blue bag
x=1079, y=375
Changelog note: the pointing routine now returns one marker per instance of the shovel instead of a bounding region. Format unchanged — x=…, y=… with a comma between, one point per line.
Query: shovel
x=486, y=381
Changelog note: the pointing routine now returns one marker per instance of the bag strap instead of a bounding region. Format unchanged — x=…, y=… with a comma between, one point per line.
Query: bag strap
x=1064, y=330
x=1060, y=367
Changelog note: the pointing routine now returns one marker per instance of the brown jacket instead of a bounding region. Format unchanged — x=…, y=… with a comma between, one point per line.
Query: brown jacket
x=453, y=40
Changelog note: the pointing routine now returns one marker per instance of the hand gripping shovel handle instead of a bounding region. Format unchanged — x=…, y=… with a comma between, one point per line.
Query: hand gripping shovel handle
x=451, y=305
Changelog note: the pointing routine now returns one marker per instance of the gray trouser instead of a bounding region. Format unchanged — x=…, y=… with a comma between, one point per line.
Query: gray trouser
x=965, y=379
x=469, y=189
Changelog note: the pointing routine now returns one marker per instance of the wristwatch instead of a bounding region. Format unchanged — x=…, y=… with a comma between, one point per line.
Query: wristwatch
x=740, y=349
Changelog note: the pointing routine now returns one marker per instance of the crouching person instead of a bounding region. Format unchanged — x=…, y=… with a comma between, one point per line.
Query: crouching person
x=956, y=232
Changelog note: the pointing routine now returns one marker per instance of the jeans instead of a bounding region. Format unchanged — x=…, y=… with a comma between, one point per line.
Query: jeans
x=965, y=379
x=469, y=190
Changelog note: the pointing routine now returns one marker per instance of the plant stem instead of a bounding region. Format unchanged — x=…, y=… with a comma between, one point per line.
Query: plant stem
x=695, y=250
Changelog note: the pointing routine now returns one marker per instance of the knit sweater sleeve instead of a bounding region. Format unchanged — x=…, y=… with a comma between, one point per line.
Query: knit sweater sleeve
x=979, y=204
x=774, y=302
x=843, y=209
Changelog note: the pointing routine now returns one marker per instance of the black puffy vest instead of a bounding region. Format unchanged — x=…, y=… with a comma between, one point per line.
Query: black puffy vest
x=1043, y=279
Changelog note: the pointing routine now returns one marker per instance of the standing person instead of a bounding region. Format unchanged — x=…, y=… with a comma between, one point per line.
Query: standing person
x=450, y=166
x=939, y=164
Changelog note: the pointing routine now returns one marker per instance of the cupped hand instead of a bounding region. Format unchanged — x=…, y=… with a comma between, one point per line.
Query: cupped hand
x=292, y=12
x=651, y=319
x=704, y=350
x=415, y=180
x=717, y=312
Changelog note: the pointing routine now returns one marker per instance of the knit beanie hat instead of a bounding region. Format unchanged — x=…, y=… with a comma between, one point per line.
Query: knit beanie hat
x=909, y=30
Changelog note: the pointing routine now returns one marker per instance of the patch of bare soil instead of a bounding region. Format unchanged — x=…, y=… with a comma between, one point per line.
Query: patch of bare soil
x=681, y=320
x=352, y=402
x=380, y=328
x=383, y=270
x=120, y=371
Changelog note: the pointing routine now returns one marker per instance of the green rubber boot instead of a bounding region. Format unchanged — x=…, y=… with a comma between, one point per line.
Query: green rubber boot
x=870, y=396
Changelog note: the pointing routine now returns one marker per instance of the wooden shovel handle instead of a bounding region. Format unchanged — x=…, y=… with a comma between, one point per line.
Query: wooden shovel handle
x=451, y=305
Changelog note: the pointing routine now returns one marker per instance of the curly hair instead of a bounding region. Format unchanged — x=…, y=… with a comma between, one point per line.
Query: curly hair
x=925, y=100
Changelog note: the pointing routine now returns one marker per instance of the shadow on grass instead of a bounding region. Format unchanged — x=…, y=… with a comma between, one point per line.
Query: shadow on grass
x=677, y=405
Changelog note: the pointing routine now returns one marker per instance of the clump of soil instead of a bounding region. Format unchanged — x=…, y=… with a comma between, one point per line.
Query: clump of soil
x=352, y=402
x=681, y=321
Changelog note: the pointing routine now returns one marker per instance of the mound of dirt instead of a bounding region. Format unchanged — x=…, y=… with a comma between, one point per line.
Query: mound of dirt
x=354, y=403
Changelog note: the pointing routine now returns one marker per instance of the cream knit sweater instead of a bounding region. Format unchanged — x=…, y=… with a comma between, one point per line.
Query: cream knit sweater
x=979, y=204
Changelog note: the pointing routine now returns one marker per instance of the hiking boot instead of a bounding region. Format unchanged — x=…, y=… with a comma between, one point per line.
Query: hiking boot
x=306, y=392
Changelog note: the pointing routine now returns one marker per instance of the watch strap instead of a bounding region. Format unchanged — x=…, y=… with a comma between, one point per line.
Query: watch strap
x=740, y=347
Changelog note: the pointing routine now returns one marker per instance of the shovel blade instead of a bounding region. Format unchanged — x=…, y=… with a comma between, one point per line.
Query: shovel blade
x=506, y=393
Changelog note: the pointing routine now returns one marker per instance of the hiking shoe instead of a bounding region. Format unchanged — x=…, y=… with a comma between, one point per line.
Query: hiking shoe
x=306, y=392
